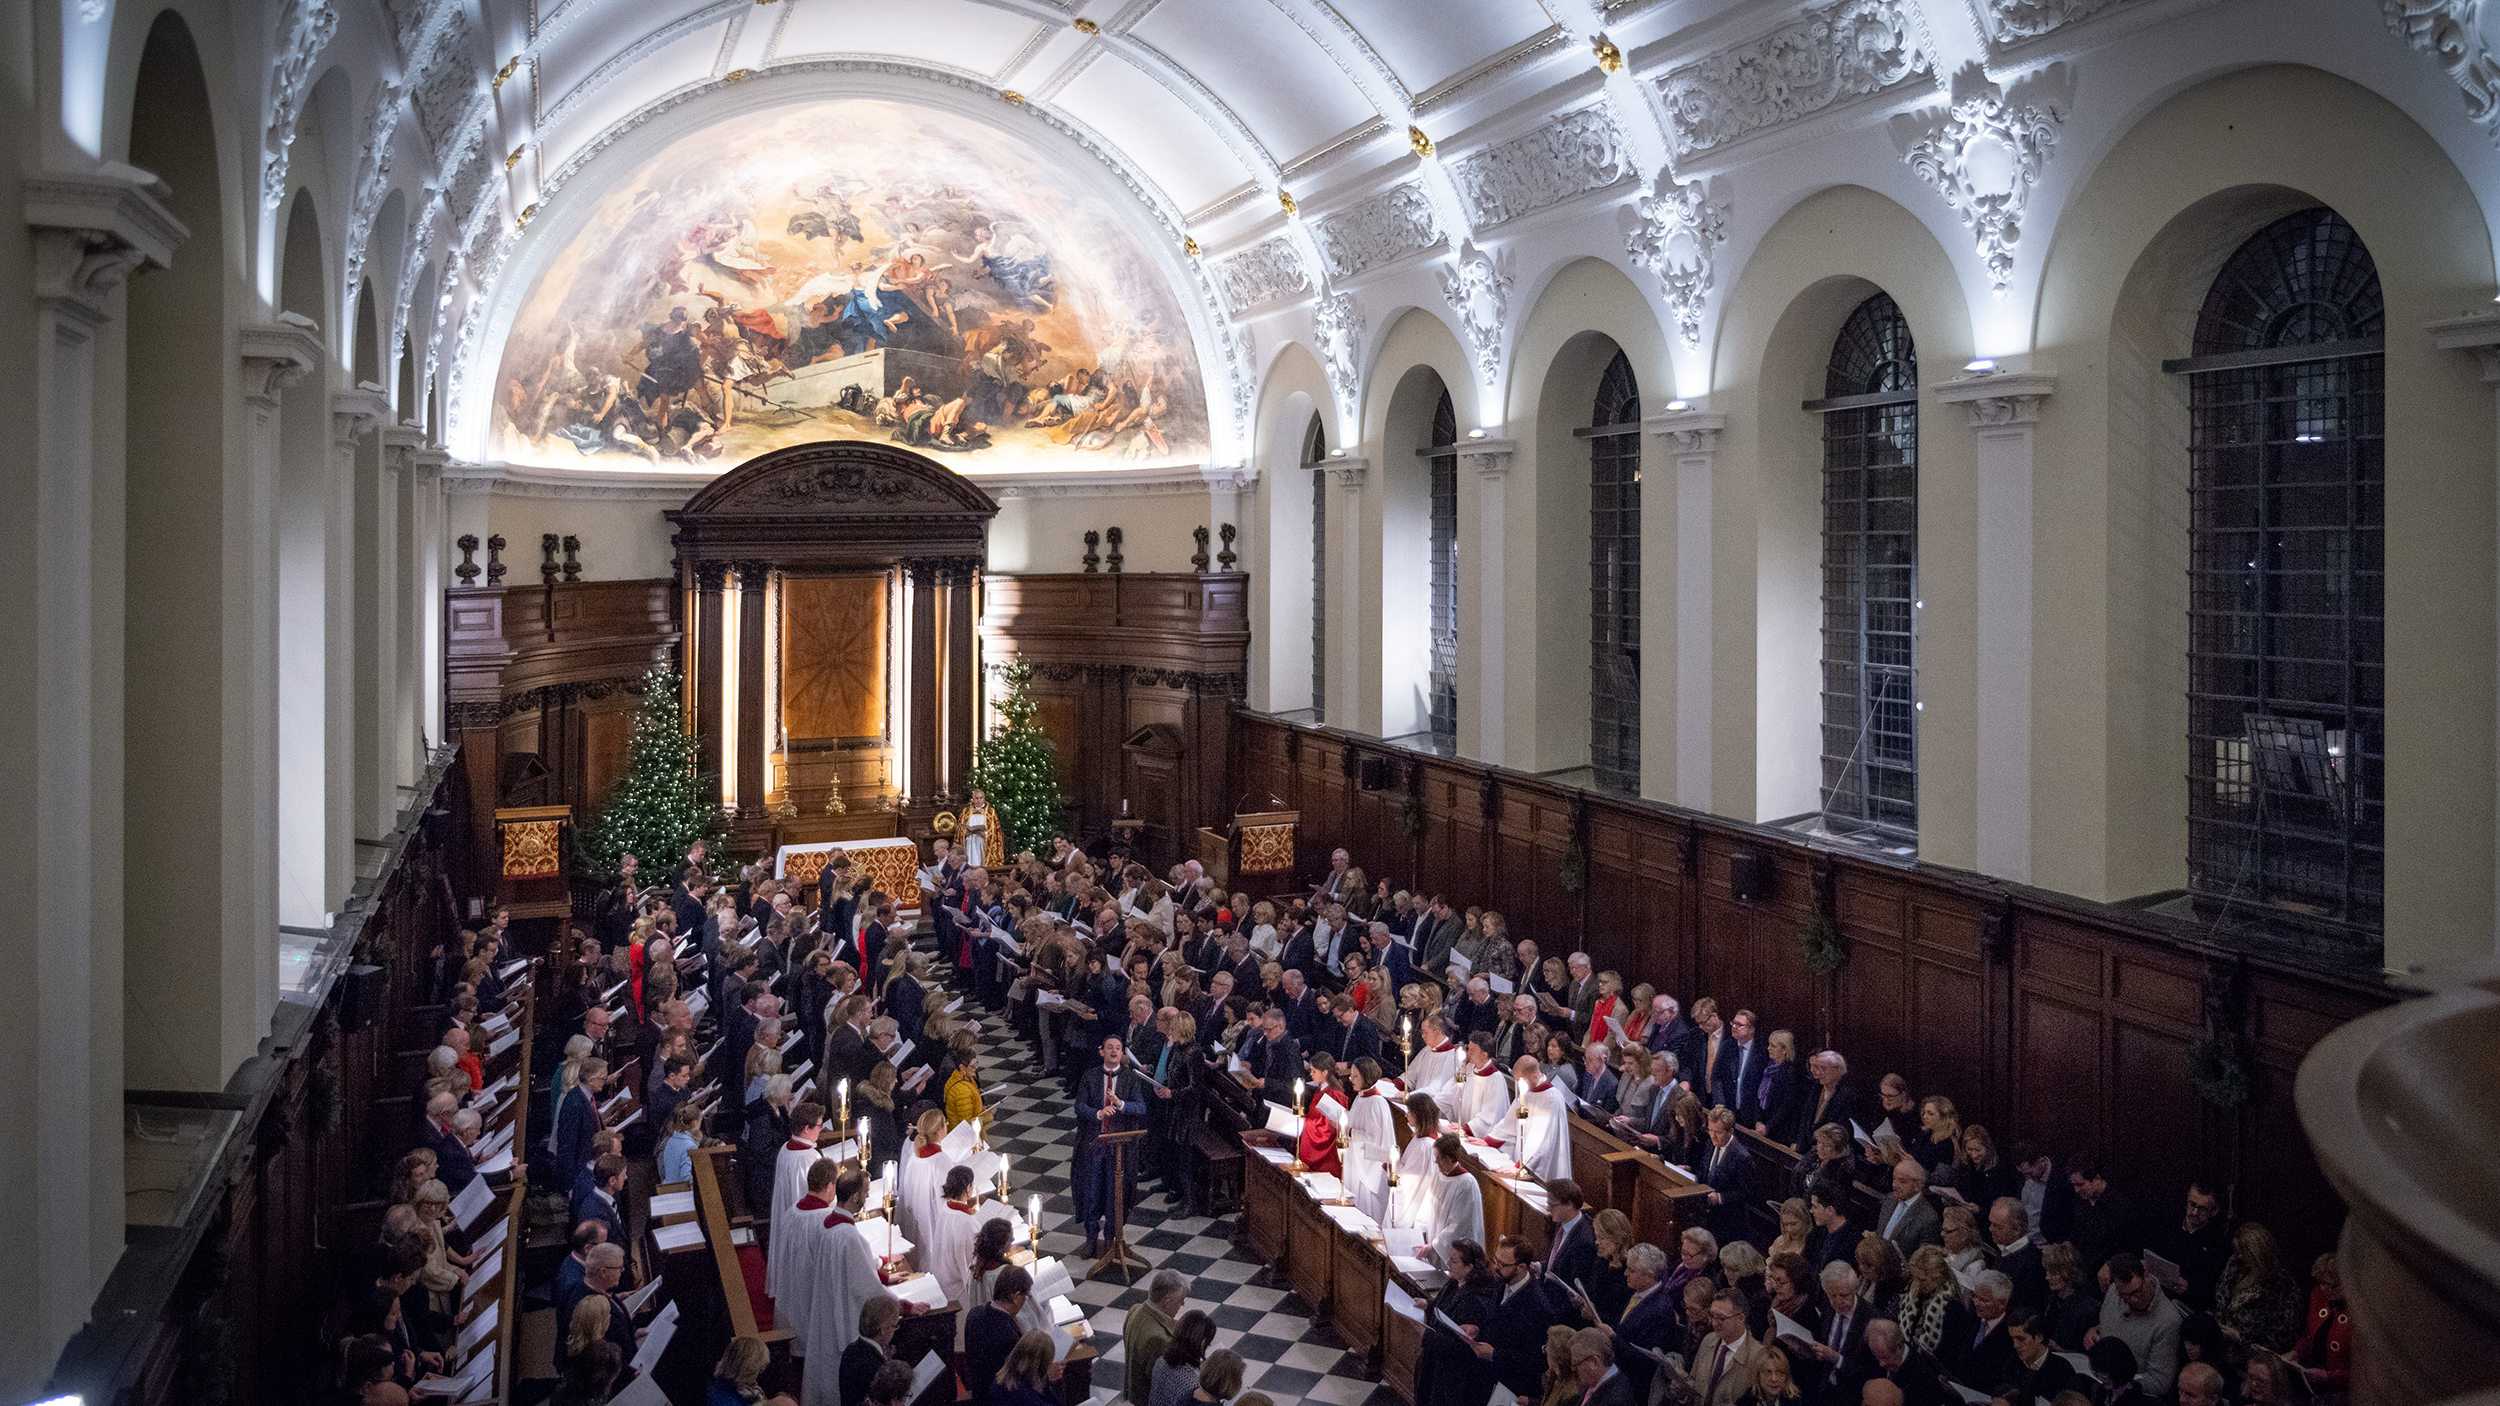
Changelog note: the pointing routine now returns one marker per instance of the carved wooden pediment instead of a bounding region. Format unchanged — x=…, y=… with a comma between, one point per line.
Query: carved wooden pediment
x=839, y=479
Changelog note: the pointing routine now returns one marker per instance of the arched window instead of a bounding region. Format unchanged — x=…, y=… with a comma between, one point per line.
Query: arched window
x=1444, y=683
x=1615, y=580
x=2286, y=691
x=1870, y=575
x=1314, y=453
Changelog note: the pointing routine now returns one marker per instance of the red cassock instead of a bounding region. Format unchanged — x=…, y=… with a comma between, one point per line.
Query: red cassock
x=1318, y=1148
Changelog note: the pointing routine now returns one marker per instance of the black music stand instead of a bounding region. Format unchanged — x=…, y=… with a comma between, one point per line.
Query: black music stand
x=1118, y=1254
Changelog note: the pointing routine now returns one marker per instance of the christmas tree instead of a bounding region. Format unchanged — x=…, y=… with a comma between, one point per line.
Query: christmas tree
x=1014, y=767
x=662, y=804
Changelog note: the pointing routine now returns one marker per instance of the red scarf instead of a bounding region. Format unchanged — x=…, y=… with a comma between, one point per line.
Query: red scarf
x=798, y=1145
x=930, y=1151
x=1445, y=1047
x=1484, y=1073
x=812, y=1202
x=963, y=1206
x=839, y=1217
x=1541, y=1086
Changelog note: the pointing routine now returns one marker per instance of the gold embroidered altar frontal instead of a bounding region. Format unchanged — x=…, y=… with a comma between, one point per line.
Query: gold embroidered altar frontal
x=1267, y=849
x=533, y=849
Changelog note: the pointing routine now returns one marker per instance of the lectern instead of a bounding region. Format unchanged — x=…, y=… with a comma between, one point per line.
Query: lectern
x=1117, y=1254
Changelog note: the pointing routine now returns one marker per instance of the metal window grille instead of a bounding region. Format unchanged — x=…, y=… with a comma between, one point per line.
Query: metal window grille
x=1315, y=450
x=1444, y=680
x=2286, y=685
x=1615, y=582
x=1870, y=578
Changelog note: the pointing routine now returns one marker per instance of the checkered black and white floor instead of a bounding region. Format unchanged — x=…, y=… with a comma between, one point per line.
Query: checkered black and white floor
x=1285, y=1354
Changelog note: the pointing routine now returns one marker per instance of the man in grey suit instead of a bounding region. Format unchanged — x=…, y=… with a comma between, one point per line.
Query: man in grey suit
x=1647, y=1124
x=1910, y=1219
x=1435, y=936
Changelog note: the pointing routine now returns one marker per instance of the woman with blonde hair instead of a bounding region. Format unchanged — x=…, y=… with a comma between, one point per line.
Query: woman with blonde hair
x=1636, y=1026
x=446, y=1270
x=1795, y=1225
x=1964, y=1250
x=1930, y=1310
x=1025, y=1378
x=2257, y=1300
x=1943, y=1137
x=1774, y=1381
x=1608, y=1287
x=1882, y=1277
x=1562, y=1383
x=1610, y=1005
x=411, y=1175
x=763, y=1059
x=735, y=1379
x=590, y=1322
x=1263, y=930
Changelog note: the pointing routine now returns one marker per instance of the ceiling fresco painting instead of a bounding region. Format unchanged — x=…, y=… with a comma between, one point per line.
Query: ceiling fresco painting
x=850, y=269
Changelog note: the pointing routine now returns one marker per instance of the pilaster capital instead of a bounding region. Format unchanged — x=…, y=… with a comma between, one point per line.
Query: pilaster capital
x=93, y=228
x=1686, y=431
x=2478, y=333
x=1998, y=397
x=1346, y=469
x=357, y=413
x=399, y=444
x=276, y=355
x=1490, y=458
x=429, y=464
x=1229, y=478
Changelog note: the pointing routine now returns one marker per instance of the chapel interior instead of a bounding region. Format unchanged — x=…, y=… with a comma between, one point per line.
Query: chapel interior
x=1970, y=528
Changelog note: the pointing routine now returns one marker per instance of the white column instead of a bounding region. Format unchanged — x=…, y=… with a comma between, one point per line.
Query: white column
x=353, y=415
x=433, y=539
x=399, y=626
x=2004, y=409
x=1690, y=439
x=274, y=356
x=1345, y=597
x=2479, y=334
x=90, y=233
x=1484, y=631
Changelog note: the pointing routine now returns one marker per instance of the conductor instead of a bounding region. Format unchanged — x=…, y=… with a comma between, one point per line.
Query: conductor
x=1105, y=1095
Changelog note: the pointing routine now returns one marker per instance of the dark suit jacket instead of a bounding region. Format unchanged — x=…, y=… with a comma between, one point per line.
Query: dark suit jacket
x=847, y=1056
x=1737, y=1084
x=1301, y=955
x=1350, y=1043
x=1729, y=1172
x=1921, y=1379
x=588, y=1204
x=908, y=1004
x=576, y=1122
x=1574, y=1250
x=453, y=1165
x=1516, y=1329
x=1839, y=1383
x=872, y=936
x=1280, y=1063
x=1302, y=1017
x=1846, y=1104
x=1652, y=1322
x=1615, y=1389
x=1509, y=1043
x=1977, y=1361
x=2021, y=1383
x=2031, y=1282
x=729, y=1062
x=860, y=1362
x=989, y=1336
x=1828, y=1246
x=1775, y=1097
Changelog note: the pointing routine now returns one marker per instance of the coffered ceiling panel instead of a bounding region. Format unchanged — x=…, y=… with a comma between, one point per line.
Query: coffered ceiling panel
x=609, y=88
x=1427, y=44
x=956, y=33
x=1168, y=141
x=1263, y=66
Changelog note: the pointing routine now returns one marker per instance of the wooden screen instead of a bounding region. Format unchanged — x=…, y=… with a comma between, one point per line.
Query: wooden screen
x=833, y=656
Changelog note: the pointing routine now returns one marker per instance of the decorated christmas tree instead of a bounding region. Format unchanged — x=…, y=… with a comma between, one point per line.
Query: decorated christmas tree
x=1014, y=767
x=662, y=805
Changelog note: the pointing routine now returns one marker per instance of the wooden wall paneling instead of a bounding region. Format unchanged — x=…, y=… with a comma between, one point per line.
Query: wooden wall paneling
x=1946, y=1049
x=2060, y=1046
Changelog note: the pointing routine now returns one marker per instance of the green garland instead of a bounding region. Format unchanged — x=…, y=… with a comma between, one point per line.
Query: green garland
x=1411, y=817
x=2216, y=1072
x=1573, y=874
x=1826, y=947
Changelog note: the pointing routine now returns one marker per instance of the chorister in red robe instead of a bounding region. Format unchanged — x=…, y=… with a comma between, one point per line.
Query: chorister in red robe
x=1318, y=1148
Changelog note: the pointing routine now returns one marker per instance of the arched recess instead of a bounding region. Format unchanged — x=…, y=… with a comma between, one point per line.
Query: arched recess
x=1819, y=262
x=1390, y=608
x=1283, y=586
x=315, y=848
x=198, y=904
x=2176, y=195
x=1582, y=316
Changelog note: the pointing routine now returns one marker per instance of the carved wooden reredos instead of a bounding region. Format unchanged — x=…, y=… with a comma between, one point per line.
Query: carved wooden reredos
x=833, y=667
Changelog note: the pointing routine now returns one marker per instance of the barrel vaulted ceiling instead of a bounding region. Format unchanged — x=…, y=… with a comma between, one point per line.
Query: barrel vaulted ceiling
x=1229, y=117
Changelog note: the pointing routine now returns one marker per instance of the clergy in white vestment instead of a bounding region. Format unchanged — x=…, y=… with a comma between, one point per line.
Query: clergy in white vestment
x=923, y=1178
x=1484, y=1092
x=1457, y=1202
x=1435, y=1068
x=795, y=1246
x=1410, y=1203
x=947, y=1253
x=1371, y=1146
x=789, y=1184
x=1542, y=1143
x=844, y=1271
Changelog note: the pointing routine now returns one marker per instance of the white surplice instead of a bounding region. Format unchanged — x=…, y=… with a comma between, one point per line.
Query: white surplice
x=1484, y=1101
x=923, y=1186
x=1457, y=1213
x=844, y=1271
x=1372, y=1137
x=1410, y=1203
x=1434, y=1072
x=795, y=1246
x=1542, y=1142
x=789, y=1184
x=947, y=1253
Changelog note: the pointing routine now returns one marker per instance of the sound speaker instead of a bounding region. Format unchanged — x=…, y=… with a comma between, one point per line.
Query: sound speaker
x=360, y=996
x=1375, y=773
x=1749, y=875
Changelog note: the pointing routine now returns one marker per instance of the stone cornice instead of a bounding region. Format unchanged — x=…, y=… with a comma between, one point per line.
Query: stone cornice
x=275, y=356
x=2478, y=333
x=1998, y=397
x=673, y=487
x=1691, y=431
x=121, y=201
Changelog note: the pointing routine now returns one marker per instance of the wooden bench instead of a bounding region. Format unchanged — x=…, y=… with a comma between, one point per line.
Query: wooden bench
x=1219, y=1169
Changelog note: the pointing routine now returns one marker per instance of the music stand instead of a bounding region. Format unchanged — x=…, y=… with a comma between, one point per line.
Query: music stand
x=1118, y=1253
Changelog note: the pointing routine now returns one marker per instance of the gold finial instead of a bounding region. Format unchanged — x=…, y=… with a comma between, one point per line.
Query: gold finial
x=1086, y=26
x=1014, y=97
x=1285, y=198
x=510, y=68
x=1422, y=144
x=524, y=221
x=737, y=75
x=515, y=158
x=1189, y=245
x=1609, y=57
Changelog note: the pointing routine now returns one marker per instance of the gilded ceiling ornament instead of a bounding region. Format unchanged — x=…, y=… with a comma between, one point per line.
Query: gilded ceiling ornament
x=511, y=66
x=737, y=75
x=1609, y=57
x=1985, y=154
x=1421, y=144
x=524, y=221
x=1013, y=97
x=1674, y=232
x=1189, y=245
x=1285, y=199
x=515, y=158
x=1086, y=26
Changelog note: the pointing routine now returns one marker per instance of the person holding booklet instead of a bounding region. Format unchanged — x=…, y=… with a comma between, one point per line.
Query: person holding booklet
x=1325, y=1109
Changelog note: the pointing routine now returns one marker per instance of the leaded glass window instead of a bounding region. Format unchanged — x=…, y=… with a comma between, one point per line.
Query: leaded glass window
x=1615, y=581
x=1870, y=575
x=1444, y=678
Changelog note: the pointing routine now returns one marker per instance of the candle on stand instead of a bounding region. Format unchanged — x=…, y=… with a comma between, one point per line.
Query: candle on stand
x=843, y=1090
x=889, y=1190
x=1002, y=1176
x=977, y=1144
x=1297, y=1098
x=1406, y=1033
x=863, y=1142
x=1033, y=1223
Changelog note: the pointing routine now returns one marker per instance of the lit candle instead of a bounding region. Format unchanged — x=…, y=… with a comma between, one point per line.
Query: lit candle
x=1297, y=1098
x=889, y=1186
x=976, y=1135
x=863, y=1142
x=1002, y=1176
x=1033, y=1221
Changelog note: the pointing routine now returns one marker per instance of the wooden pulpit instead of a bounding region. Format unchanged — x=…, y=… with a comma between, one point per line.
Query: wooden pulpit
x=533, y=881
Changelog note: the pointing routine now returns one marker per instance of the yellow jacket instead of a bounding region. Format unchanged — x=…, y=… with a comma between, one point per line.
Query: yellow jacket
x=963, y=1099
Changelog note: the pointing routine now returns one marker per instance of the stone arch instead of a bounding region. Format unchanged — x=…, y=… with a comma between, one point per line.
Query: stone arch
x=1283, y=594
